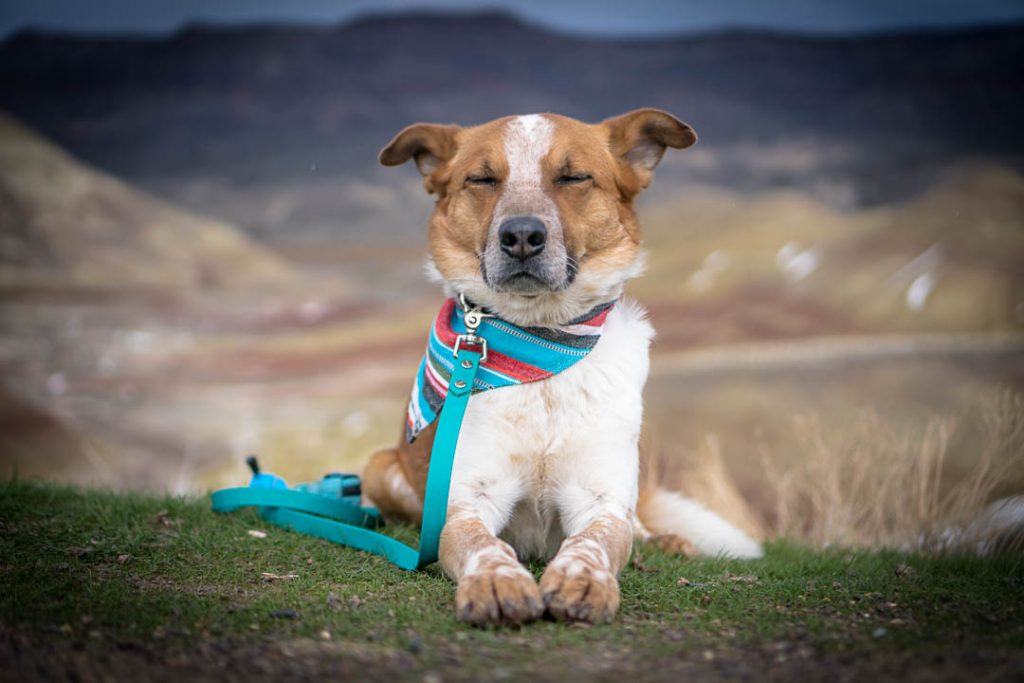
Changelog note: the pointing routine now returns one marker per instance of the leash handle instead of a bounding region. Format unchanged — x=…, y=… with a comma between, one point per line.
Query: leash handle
x=335, y=520
x=227, y=500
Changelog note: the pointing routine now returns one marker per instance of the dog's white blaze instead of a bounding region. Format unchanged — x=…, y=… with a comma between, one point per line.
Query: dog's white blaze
x=527, y=142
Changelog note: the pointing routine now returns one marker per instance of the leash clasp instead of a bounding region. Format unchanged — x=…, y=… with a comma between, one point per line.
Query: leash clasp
x=473, y=317
x=475, y=341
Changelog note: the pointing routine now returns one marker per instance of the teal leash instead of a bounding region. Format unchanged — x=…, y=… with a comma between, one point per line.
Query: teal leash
x=330, y=517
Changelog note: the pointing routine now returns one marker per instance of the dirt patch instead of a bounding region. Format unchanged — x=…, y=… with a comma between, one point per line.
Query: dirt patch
x=28, y=660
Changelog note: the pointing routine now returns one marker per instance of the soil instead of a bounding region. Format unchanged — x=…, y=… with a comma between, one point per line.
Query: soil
x=33, y=660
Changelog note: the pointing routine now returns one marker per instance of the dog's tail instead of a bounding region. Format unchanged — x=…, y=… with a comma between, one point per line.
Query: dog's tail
x=667, y=513
x=997, y=530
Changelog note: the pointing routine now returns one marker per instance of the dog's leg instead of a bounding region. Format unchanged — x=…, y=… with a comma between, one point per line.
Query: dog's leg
x=386, y=486
x=493, y=587
x=580, y=583
x=595, y=501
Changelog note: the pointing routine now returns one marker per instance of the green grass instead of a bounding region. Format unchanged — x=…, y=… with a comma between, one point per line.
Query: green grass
x=99, y=569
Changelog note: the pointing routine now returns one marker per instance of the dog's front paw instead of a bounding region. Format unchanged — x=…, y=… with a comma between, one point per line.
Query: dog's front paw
x=576, y=591
x=504, y=595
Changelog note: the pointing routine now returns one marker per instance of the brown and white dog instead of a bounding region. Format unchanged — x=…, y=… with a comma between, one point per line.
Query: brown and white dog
x=535, y=222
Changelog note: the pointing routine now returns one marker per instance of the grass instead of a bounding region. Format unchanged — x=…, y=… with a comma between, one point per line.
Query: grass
x=876, y=482
x=92, y=571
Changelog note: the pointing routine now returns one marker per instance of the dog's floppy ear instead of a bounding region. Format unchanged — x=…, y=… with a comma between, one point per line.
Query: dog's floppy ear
x=429, y=144
x=639, y=138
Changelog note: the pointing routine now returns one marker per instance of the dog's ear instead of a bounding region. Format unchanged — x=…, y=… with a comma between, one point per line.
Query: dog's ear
x=429, y=144
x=639, y=139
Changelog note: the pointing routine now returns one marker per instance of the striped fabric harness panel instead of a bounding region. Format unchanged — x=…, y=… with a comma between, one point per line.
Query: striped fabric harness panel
x=515, y=355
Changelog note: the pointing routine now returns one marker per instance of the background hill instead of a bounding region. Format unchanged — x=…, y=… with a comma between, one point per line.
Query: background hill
x=276, y=129
x=65, y=225
x=725, y=268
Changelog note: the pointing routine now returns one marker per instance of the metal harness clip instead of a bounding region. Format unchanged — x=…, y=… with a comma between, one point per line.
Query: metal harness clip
x=474, y=316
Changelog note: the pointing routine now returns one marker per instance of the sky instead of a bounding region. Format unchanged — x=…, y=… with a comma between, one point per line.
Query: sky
x=593, y=17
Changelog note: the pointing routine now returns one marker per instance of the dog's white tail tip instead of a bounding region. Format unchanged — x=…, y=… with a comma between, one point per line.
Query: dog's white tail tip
x=998, y=529
x=667, y=512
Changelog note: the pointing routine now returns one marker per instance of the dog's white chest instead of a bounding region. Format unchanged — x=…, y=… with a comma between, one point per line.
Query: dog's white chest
x=532, y=455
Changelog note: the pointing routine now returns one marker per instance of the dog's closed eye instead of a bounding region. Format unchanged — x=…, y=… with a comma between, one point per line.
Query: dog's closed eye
x=573, y=178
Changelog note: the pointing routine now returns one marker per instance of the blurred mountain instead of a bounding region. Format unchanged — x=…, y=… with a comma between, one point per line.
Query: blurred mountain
x=724, y=268
x=276, y=128
x=64, y=224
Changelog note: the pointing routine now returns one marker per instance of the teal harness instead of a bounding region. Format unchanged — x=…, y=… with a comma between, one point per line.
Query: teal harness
x=326, y=510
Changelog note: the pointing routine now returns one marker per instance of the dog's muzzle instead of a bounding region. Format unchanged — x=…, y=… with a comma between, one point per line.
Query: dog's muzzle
x=526, y=258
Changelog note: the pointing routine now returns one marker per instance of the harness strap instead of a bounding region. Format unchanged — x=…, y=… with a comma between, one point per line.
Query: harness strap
x=351, y=525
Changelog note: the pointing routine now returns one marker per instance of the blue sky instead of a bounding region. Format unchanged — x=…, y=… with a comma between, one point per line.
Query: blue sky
x=632, y=17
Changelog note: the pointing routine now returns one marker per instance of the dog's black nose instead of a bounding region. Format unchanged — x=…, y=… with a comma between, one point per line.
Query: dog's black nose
x=522, y=237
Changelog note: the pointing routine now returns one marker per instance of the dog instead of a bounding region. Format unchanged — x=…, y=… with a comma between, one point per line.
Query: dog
x=535, y=224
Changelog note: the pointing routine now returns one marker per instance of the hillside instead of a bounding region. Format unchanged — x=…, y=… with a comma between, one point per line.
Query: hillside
x=64, y=224
x=276, y=129
x=725, y=268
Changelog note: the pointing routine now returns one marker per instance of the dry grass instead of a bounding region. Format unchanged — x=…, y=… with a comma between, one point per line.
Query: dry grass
x=876, y=483
x=702, y=475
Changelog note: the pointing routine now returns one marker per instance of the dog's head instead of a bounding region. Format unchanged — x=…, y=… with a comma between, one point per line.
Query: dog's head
x=534, y=217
